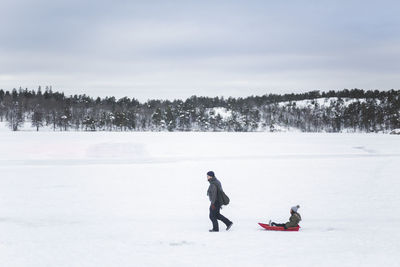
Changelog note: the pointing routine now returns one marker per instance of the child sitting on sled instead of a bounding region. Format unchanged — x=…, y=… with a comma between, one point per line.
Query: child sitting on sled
x=294, y=219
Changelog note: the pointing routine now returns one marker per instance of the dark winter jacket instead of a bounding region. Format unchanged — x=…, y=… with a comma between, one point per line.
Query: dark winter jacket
x=213, y=191
x=293, y=220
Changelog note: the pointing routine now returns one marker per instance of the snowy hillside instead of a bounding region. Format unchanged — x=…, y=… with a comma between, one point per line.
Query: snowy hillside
x=322, y=102
x=342, y=111
x=139, y=199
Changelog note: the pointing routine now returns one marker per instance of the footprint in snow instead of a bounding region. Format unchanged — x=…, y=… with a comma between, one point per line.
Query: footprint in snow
x=182, y=243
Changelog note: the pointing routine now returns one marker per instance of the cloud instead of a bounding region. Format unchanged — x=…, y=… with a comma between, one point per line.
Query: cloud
x=173, y=49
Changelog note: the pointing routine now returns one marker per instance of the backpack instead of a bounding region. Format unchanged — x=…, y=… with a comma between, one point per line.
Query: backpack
x=225, y=199
x=222, y=197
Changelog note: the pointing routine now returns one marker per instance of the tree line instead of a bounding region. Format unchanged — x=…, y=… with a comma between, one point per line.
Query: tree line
x=344, y=110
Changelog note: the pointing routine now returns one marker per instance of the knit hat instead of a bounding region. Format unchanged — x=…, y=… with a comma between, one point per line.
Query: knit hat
x=294, y=208
x=211, y=173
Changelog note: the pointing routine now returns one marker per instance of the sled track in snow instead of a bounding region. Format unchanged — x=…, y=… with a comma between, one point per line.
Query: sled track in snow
x=161, y=160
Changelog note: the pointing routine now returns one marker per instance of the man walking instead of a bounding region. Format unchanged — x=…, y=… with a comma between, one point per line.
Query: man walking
x=214, y=193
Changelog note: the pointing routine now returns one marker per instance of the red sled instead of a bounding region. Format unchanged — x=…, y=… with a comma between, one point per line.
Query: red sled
x=278, y=228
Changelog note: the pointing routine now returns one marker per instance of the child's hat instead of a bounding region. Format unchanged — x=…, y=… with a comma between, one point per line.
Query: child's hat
x=295, y=208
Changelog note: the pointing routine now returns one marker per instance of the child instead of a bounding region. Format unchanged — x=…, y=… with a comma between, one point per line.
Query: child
x=294, y=219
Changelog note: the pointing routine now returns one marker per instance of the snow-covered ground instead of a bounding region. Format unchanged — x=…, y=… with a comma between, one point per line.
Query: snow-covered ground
x=139, y=199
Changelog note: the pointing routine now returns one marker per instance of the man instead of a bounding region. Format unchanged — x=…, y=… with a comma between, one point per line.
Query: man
x=215, y=196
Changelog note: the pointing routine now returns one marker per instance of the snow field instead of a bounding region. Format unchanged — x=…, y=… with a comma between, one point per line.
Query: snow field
x=139, y=199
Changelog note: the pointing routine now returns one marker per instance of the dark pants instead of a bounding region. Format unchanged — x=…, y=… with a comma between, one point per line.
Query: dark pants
x=278, y=224
x=215, y=215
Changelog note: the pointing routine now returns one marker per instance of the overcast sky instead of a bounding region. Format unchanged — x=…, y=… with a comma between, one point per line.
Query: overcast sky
x=175, y=49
